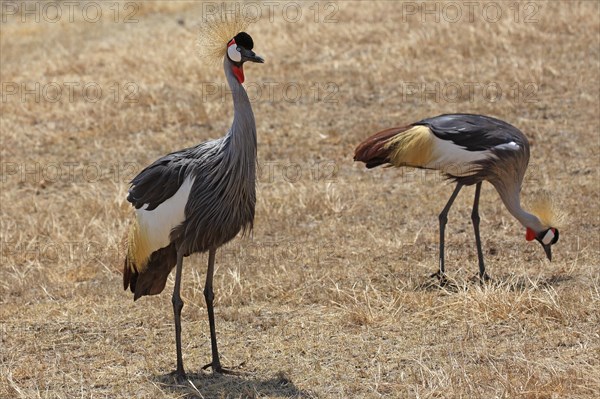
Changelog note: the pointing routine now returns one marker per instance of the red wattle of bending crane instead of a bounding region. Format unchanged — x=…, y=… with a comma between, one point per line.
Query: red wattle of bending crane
x=468, y=149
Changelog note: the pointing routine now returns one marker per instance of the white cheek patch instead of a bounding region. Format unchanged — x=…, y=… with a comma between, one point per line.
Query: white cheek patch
x=233, y=53
x=548, y=237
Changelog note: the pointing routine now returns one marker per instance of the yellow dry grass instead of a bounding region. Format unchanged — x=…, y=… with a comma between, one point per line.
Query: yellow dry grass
x=331, y=296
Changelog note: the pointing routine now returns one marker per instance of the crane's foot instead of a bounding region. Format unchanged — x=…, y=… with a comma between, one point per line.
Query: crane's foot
x=442, y=279
x=443, y=282
x=179, y=376
x=222, y=370
x=482, y=279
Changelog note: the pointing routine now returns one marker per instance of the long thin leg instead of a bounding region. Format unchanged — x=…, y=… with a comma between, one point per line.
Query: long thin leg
x=443, y=217
x=177, y=306
x=209, y=296
x=475, y=219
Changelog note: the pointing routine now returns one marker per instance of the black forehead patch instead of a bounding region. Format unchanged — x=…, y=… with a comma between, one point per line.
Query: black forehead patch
x=243, y=39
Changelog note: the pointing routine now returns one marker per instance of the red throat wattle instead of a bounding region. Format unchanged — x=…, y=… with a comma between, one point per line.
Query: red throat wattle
x=238, y=71
x=530, y=235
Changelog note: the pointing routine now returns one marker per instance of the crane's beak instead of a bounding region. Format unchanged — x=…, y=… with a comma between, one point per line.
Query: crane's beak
x=249, y=55
x=548, y=250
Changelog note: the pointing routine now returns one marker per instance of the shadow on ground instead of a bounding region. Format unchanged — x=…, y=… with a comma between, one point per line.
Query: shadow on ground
x=209, y=386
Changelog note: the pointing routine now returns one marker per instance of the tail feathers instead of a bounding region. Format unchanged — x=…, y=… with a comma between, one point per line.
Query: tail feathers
x=153, y=278
x=375, y=150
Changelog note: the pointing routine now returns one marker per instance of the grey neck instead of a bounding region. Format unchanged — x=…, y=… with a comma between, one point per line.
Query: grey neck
x=512, y=201
x=242, y=135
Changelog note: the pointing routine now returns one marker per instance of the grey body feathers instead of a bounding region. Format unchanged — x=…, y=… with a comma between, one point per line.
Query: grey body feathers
x=221, y=201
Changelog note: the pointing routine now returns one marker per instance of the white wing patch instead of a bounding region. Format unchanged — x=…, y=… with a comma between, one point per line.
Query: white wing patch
x=508, y=146
x=453, y=159
x=156, y=225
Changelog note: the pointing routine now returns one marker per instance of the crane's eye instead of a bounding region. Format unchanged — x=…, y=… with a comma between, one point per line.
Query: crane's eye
x=234, y=54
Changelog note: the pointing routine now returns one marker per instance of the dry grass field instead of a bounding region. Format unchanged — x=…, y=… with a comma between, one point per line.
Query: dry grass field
x=331, y=296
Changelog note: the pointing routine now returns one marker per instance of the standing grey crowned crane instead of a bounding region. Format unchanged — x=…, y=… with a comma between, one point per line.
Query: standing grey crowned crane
x=467, y=149
x=196, y=199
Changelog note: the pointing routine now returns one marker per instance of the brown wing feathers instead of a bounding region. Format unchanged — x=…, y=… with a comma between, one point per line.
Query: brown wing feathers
x=374, y=151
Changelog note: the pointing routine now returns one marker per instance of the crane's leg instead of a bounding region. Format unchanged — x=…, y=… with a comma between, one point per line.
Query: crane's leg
x=443, y=217
x=177, y=306
x=209, y=296
x=475, y=218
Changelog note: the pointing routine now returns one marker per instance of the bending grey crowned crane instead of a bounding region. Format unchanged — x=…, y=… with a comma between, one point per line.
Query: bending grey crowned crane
x=468, y=149
x=196, y=199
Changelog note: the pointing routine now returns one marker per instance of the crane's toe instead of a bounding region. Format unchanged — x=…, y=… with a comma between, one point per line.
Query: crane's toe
x=442, y=279
x=222, y=370
x=481, y=279
x=179, y=376
x=485, y=278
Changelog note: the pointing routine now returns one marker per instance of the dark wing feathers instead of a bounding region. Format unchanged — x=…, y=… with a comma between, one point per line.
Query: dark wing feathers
x=159, y=181
x=473, y=132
